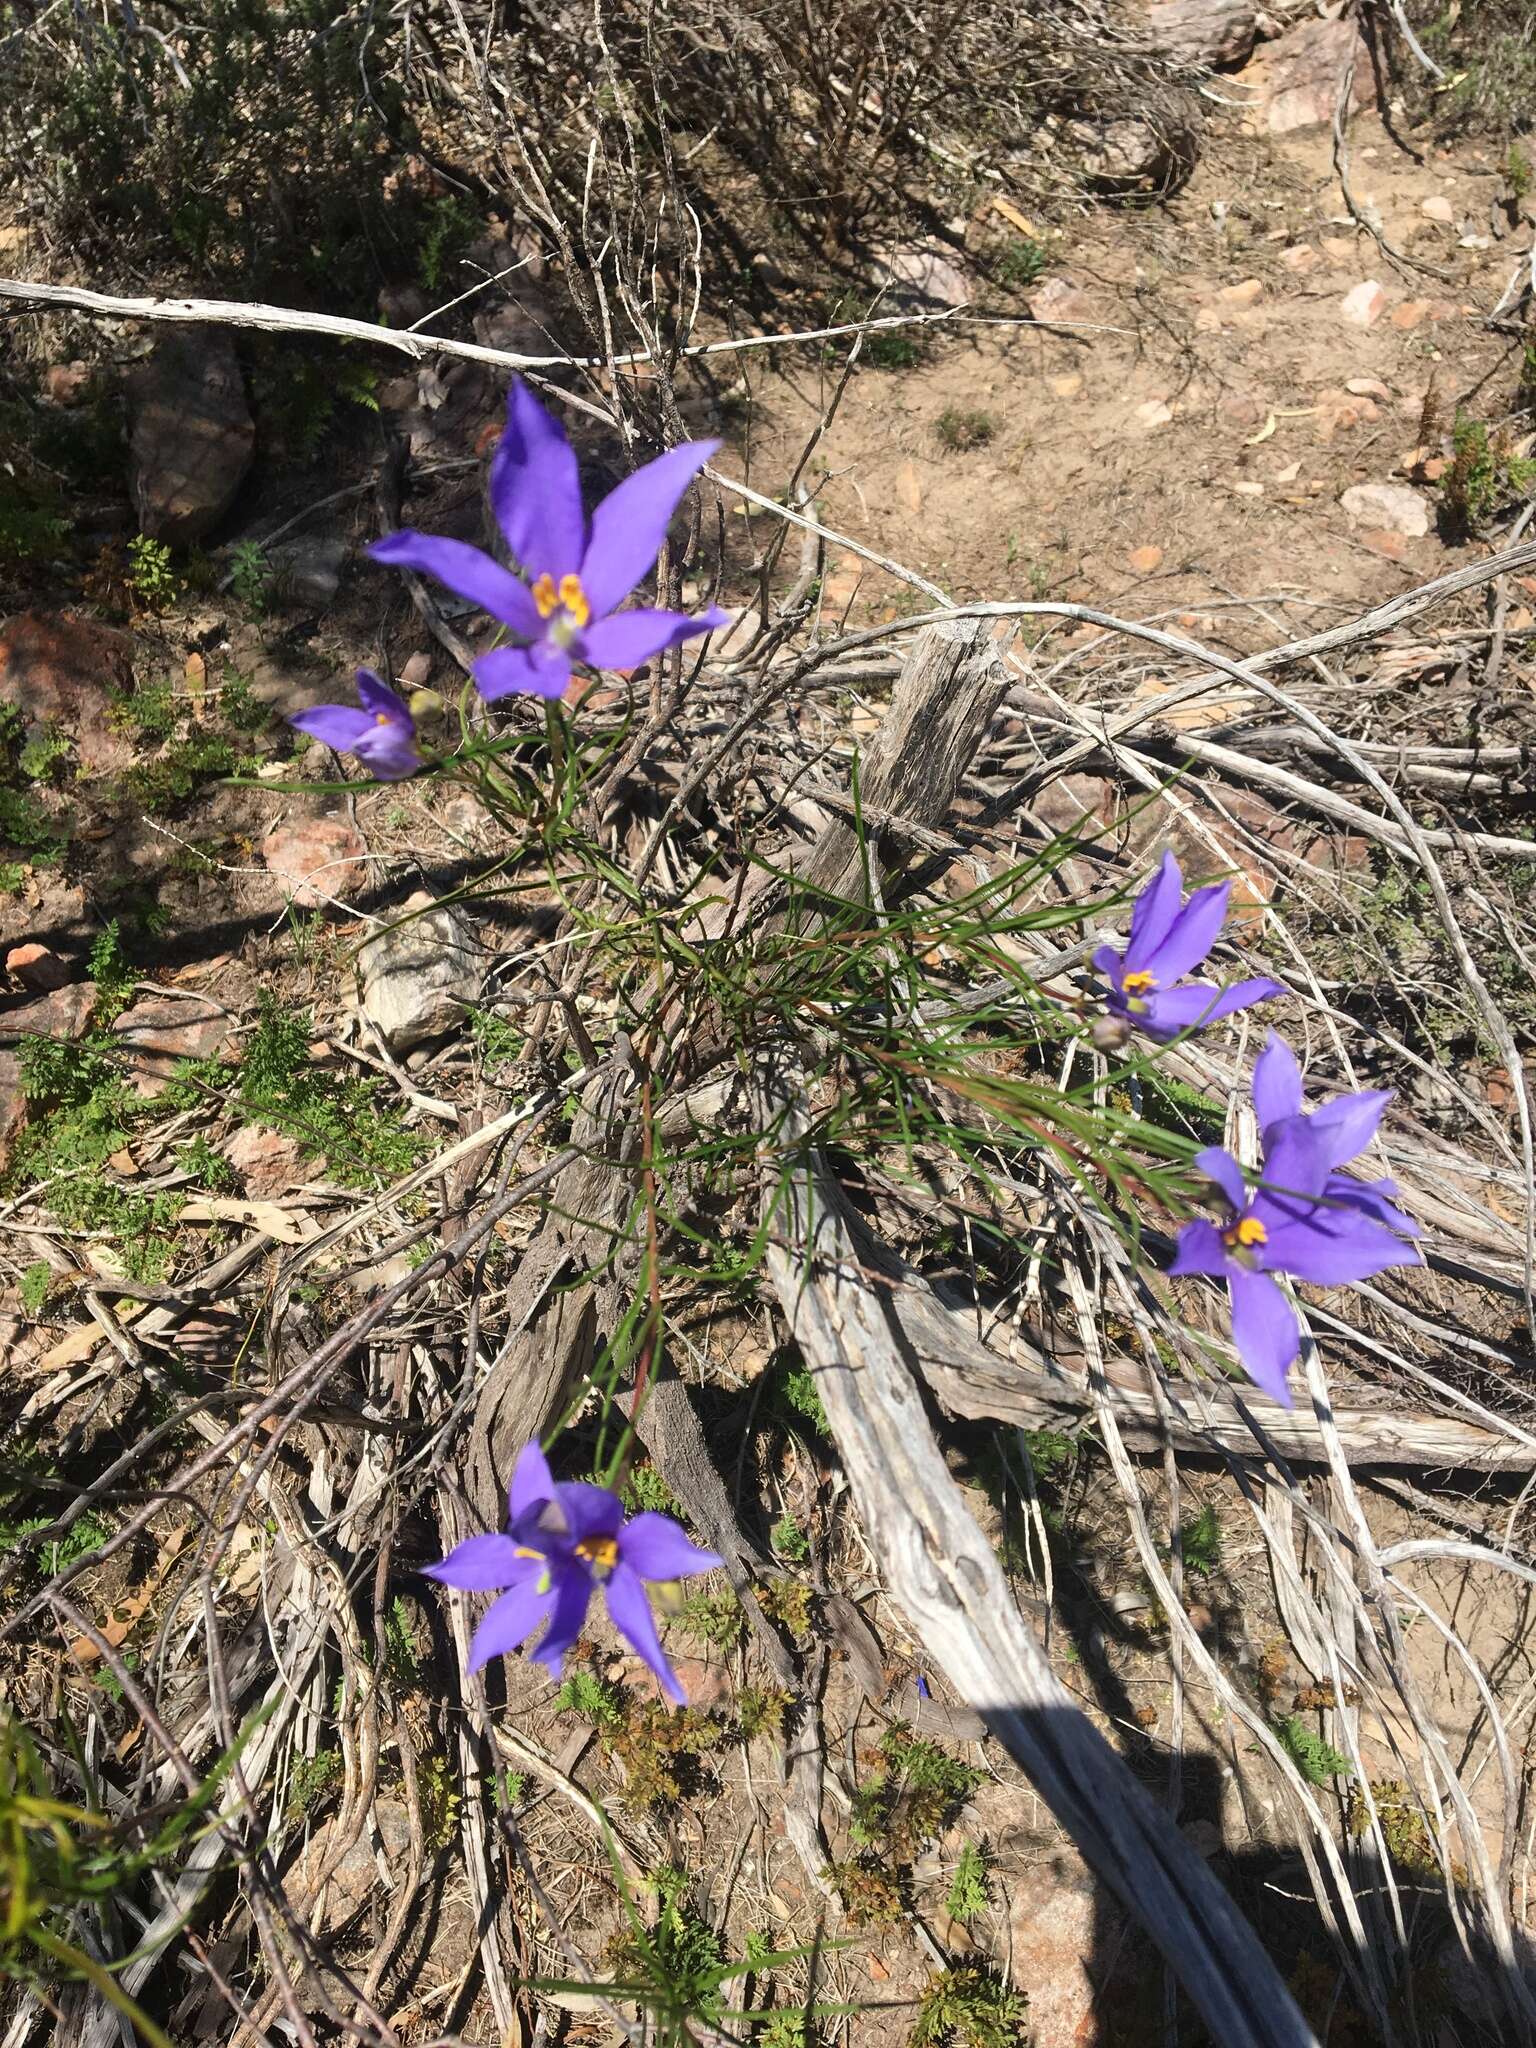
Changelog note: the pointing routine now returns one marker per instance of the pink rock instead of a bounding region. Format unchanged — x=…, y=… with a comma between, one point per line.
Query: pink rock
x=1439, y=208
x=1394, y=508
x=267, y=1162
x=316, y=860
x=67, y=670
x=1300, y=257
x=1411, y=313
x=13, y=1106
x=1248, y=293
x=37, y=967
x=1364, y=304
x=927, y=270
x=1302, y=72
x=62, y=1013
x=160, y=1031
x=1061, y=1927
x=66, y=383
x=1058, y=299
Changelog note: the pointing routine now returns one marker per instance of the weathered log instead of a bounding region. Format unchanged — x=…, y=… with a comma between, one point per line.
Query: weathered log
x=944, y=1574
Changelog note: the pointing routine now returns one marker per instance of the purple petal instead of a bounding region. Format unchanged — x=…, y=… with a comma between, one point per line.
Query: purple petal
x=535, y=489
x=1373, y=1198
x=1171, y=1011
x=630, y=1613
x=1168, y=1012
x=1153, y=912
x=480, y=1564
x=573, y=1592
x=1350, y=1122
x=510, y=1621
x=1222, y=1168
x=1110, y=962
x=1199, y=1249
x=589, y=1510
x=1264, y=1332
x=542, y=670
x=1296, y=1164
x=375, y=696
x=465, y=571
x=654, y=1546
x=631, y=523
x=628, y=638
x=337, y=724
x=1333, y=1247
x=387, y=753
x=532, y=1481
x=1191, y=935
x=1277, y=1090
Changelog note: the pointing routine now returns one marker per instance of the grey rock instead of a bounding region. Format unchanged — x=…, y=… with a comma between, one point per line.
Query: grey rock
x=1206, y=32
x=1127, y=155
x=418, y=977
x=192, y=438
x=926, y=272
x=309, y=571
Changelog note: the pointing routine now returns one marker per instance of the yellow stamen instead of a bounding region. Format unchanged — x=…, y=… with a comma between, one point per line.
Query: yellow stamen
x=381, y=718
x=602, y=1551
x=574, y=598
x=1135, y=984
x=1250, y=1231
x=545, y=596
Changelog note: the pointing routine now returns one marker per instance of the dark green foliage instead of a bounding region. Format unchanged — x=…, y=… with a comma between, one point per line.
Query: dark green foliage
x=676, y=1968
x=913, y=1794
x=81, y=1112
x=36, y=1286
x=969, y=1892
x=1200, y=1543
x=181, y=772
x=801, y=1396
x=352, y=1120
x=600, y=1702
x=713, y=1618
x=1317, y=1761
x=312, y=1781
x=1021, y=263
x=964, y=427
x=111, y=973
x=448, y=228
x=259, y=159
x=1484, y=476
x=646, y=1489
x=970, y=2003
x=789, y=1540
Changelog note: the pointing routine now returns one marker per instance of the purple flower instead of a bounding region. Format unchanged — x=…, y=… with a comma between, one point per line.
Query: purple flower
x=561, y=1542
x=1277, y=1095
x=1305, y=1219
x=1166, y=942
x=382, y=734
x=580, y=570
